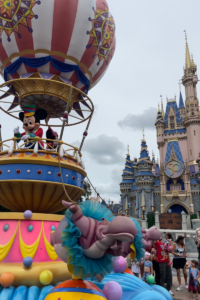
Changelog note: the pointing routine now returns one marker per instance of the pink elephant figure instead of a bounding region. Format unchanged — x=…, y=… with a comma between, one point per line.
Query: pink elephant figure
x=97, y=238
x=150, y=235
x=89, y=244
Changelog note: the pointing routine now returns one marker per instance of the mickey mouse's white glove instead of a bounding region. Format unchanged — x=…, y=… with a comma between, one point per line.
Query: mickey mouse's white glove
x=56, y=144
x=25, y=137
x=16, y=130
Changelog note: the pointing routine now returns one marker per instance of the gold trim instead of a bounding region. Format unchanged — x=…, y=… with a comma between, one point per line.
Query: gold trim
x=52, y=53
x=40, y=181
x=35, y=217
x=193, y=162
x=127, y=166
x=30, y=276
x=174, y=140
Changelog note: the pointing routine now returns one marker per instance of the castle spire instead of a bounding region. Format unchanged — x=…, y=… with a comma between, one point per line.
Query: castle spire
x=188, y=61
x=181, y=103
x=143, y=140
x=127, y=150
x=162, y=109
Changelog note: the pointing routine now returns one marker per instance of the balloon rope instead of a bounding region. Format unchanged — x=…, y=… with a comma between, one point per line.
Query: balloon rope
x=68, y=197
x=94, y=189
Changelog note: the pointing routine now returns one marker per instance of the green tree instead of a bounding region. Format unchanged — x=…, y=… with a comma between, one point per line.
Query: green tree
x=87, y=191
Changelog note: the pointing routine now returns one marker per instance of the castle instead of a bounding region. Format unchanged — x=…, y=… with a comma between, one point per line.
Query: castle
x=174, y=183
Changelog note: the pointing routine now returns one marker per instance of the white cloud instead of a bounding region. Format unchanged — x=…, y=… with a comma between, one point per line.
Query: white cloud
x=106, y=150
x=138, y=121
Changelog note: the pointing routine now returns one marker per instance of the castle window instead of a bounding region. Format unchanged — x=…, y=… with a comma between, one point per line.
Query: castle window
x=171, y=118
x=194, y=133
x=172, y=125
x=192, y=113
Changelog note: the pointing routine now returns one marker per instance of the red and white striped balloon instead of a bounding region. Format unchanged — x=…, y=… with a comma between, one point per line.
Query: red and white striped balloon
x=80, y=32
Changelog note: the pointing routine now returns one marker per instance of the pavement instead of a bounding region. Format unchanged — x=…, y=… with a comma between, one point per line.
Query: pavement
x=182, y=295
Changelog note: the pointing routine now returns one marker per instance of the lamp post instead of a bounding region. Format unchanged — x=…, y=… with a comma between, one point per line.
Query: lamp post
x=143, y=212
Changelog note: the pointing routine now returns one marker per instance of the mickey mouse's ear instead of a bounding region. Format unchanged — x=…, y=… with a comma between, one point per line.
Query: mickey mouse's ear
x=21, y=116
x=41, y=113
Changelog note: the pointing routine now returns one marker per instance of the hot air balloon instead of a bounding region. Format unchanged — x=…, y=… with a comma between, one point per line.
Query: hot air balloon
x=45, y=44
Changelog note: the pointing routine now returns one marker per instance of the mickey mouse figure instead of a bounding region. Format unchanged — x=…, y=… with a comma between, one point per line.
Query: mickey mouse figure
x=31, y=124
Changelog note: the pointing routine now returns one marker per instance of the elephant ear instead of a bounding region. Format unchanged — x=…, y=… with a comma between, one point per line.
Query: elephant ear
x=21, y=116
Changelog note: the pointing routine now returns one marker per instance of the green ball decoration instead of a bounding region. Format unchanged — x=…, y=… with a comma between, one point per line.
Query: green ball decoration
x=150, y=279
x=6, y=227
x=30, y=228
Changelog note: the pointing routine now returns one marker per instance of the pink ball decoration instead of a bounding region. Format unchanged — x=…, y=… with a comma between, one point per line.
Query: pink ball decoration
x=120, y=265
x=112, y=290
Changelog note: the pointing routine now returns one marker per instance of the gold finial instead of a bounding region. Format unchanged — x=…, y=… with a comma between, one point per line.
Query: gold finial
x=143, y=135
x=171, y=110
x=188, y=62
x=158, y=107
x=127, y=149
x=162, y=109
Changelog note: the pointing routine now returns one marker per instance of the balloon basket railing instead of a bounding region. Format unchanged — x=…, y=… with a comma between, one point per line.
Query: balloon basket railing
x=38, y=180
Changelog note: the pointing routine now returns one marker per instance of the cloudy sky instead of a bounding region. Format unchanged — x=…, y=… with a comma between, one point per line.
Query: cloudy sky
x=148, y=62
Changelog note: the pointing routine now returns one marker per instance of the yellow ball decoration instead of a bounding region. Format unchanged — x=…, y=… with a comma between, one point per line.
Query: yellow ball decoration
x=46, y=277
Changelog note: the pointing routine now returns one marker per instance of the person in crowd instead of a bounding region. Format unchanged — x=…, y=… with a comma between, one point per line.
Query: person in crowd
x=135, y=268
x=148, y=266
x=198, y=249
x=193, y=278
x=179, y=260
x=155, y=264
x=168, y=245
x=164, y=268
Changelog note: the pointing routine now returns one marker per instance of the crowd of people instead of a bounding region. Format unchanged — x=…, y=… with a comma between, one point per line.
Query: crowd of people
x=157, y=262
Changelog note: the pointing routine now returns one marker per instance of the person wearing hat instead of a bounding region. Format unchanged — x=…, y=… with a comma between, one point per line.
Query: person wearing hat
x=31, y=124
x=179, y=260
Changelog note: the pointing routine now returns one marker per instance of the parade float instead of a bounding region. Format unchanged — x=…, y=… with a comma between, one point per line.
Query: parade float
x=51, y=54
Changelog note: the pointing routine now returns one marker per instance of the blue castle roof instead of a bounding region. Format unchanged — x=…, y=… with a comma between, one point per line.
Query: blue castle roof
x=128, y=166
x=125, y=181
x=144, y=155
x=159, y=118
x=174, y=145
x=181, y=130
x=144, y=173
x=134, y=187
x=173, y=105
x=181, y=103
x=157, y=170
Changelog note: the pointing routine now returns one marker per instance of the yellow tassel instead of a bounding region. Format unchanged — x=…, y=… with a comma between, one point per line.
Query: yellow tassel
x=29, y=250
x=50, y=249
x=4, y=249
x=133, y=253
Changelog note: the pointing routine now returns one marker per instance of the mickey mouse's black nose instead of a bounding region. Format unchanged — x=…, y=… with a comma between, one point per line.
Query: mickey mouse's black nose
x=26, y=124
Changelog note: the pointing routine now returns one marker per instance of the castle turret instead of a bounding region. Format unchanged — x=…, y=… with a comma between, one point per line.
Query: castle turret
x=192, y=115
x=160, y=125
x=144, y=181
x=127, y=182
